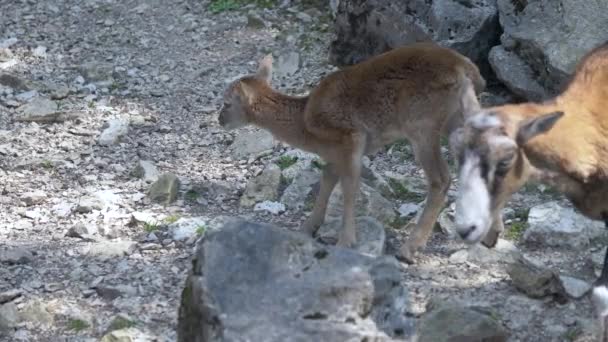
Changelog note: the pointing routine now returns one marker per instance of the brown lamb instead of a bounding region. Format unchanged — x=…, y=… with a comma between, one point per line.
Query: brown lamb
x=418, y=92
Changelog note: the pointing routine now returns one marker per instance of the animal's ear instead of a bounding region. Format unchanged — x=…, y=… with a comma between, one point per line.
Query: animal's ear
x=247, y=92
x=264, y=72
x=530, y=128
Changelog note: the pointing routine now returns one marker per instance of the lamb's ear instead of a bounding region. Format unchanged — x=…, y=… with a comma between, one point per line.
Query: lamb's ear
x=247, y=91
x=264, y=72
x=530, y=128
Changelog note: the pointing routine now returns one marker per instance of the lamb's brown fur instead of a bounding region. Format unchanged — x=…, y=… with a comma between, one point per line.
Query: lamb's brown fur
x=418, y=92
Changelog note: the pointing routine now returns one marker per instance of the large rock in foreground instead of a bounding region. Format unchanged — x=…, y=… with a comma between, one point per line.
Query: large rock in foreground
x=368, y=27
x=256, y=282
x=543, y=41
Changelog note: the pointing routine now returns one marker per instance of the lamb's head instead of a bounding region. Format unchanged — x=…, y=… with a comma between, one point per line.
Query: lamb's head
x=491, y=166
x=241, y=94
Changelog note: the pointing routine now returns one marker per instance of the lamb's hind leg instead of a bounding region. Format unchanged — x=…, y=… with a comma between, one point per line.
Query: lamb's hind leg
x=329, y=179
x=350, y=174
x=435, y=168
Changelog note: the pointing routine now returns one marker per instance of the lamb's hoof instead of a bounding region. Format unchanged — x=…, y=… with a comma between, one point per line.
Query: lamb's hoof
x=309, y=228
x=406, y=254
x=490, y=239
x=346, y=239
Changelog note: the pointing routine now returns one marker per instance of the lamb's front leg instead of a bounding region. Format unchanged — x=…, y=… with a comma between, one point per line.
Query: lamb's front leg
x=350, y=175
x=329, y=179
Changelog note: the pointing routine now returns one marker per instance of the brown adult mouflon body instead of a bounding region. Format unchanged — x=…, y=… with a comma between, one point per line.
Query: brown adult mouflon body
x=562, y=142
x=418, y=92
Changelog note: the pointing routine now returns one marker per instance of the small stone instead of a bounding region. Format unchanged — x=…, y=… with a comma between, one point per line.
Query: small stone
x=15, y=256
x=575, y=288
x=60, y=92
x=304, y=17
x=254, y=21
x=157, y=93
x=264, y=187
x=287, y=64
x=300, y=189
x=535, y=280
x=110, y=249
x=274, y=208
x=369, y=202
x=146, y=170
x=26, y=96
x=39, y=51
x=87, y=204
x=38, y=110
x=185, y=228
x=80, y=231
x=145, y=217
x=9, y=295
x=503, y=252
x=113, y=132
x=9, y=316
x=459, y=323
x=164, y=190
x=408, y=209
x=37, y=312
x=126, y=335
x=251, y=143
x=96, y=72
x=33, y=197
x=371, y=236
x=112, y=292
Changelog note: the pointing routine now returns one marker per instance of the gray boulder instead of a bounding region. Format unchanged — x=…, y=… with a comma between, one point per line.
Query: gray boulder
x=268, y=284
x=368, y=27
x=543, y=40
x=550, y=224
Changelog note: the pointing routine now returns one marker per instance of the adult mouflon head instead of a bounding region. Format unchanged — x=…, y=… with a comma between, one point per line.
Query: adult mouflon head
x=492, y=166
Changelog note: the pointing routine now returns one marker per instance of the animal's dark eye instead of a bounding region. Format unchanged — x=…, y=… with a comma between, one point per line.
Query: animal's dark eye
x=503, y=166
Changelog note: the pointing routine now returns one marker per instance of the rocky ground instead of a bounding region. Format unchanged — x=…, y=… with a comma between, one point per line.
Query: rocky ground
x=112, y=166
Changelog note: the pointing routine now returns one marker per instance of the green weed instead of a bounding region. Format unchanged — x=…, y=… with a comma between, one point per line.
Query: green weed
x=77, y=325
x=151, y=226
x=402, y=193
x=120, y=322
x=286, y=161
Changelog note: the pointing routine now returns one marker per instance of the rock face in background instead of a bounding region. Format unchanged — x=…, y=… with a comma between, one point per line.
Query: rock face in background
x=366, y=28
x=270, y=284
x=544, y=39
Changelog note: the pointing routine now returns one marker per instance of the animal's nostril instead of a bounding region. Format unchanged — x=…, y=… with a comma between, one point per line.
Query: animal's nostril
x=468, y=232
